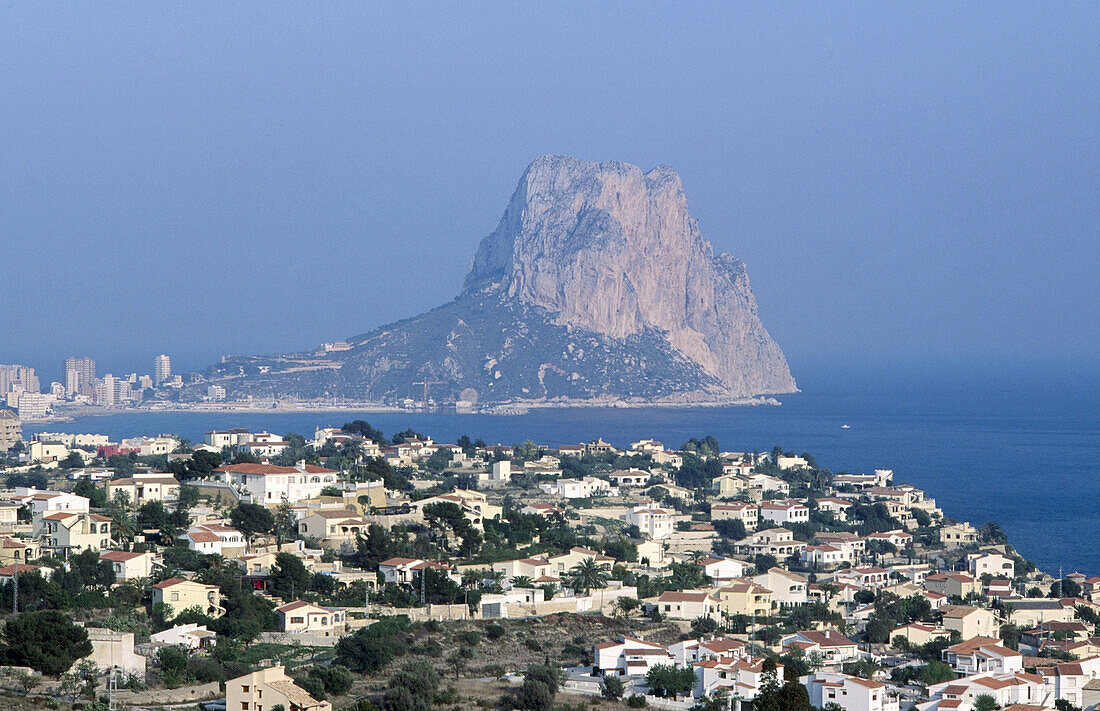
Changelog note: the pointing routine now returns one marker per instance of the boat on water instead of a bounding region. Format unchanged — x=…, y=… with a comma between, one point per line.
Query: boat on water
x=845, y=427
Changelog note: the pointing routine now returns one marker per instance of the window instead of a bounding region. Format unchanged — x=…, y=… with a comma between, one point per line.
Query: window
x=175, y=598
x=296, y=620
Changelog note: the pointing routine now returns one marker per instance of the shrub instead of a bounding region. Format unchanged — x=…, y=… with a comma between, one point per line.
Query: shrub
x=611, y=688
x=636, y=701
x=494, y=631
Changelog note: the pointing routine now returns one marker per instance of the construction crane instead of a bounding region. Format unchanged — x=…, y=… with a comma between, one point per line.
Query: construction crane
x=427, y=383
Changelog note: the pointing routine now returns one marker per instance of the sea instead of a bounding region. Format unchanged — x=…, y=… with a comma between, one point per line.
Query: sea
x=1021, y=451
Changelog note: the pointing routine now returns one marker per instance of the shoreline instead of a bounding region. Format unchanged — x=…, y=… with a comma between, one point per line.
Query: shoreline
x=500, y=409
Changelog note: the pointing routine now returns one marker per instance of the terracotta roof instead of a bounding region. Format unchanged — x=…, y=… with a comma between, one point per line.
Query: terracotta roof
x=272, y=469
x=684, y=596
x=9, y=570
x=826, y=638
x=297, y=605
x=119, y=556
x=336, y=514
x=394, y=562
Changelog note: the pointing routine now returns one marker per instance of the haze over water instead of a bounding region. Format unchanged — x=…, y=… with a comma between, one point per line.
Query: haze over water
x=1023, y=454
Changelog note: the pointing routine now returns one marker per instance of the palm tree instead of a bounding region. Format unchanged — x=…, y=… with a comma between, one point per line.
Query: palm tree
x=587, y=576
x=353, y=450
x=522, y=581
x=626, y=605
x=992, y=533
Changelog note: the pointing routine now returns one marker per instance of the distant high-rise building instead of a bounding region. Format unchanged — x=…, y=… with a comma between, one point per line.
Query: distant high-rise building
x=18, y=378
x=112, y=391
x=10, y=430
x=162, y=369
x=80, y=377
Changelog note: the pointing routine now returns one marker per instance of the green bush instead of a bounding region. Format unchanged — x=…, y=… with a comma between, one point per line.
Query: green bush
x=636, y=701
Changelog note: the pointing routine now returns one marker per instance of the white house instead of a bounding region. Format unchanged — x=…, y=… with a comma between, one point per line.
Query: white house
x=833, y=647
x=405, y=570
x=690, y=651
x=788, y=589
x=653, y=521
x=211, y=538
x=1014, y=690
x=983, y=654
x=629, y=656
x=191, y=636
x=782, y=512
x=631, y=477
x=270, y=484
x=740, y=677
x=743, y=511
x=584, y=488
x=784, y=462
x=850, y=693
x=778, y=542
x=689, y=604
x=823, y=556
x=722, y=570
x=994, y=564
x=306, y=618
x=837, y=507
x=39, y=501
x=129, y=565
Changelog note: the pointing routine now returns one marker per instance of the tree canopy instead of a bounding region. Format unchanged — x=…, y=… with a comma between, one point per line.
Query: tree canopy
x=46, y=641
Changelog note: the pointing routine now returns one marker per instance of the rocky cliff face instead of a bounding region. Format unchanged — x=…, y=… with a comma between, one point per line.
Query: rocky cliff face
x=608, y=248
x=596, y=285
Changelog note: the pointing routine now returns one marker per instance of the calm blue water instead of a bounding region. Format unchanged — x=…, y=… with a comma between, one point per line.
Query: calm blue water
x=1026, y=456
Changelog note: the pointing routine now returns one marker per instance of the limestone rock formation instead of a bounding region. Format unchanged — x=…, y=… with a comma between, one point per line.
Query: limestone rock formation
x=595, y=286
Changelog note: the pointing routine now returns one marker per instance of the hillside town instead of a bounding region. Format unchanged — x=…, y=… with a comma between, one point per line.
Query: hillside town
x=347, y=568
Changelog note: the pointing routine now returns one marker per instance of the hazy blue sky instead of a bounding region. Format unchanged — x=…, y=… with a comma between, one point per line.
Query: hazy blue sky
x=907, y=182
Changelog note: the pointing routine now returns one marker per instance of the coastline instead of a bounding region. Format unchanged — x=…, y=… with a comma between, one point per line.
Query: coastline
x=504, y=408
